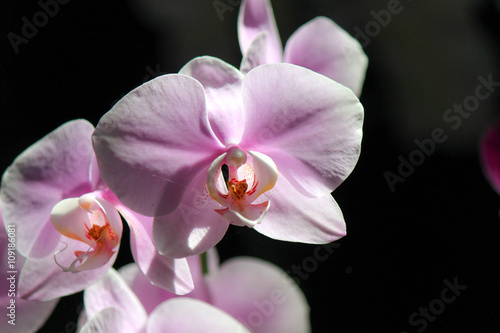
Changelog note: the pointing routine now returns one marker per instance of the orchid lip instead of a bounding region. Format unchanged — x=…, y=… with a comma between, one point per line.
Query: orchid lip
x=90, y=220
x=250, y=175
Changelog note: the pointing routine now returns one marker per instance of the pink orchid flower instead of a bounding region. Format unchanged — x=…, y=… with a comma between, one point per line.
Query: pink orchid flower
x=112, y=306
x=490, y=155
x=223, y=297
x=20, y=315
x=288, y=136
x=320, y=45
x=67, y=220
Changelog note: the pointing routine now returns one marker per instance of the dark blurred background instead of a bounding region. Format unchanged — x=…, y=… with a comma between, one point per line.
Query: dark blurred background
x=441, y=223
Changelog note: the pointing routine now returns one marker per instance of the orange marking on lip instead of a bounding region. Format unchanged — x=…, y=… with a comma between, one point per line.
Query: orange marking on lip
x=96, y=232
x=237, y=188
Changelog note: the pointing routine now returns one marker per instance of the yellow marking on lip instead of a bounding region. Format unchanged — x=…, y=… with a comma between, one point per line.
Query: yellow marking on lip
x=237, y=188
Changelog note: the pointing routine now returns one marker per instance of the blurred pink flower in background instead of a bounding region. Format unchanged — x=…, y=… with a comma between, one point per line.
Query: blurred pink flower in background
x=289, y=137
x=320, y=45
x=256, y=293
x=67, y=222
x=490, y=155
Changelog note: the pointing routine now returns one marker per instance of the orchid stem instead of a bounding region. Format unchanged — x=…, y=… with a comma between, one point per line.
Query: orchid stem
x=204, y=263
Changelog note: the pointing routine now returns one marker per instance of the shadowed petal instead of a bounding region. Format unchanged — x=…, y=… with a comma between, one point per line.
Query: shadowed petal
x=55, y=167
x=194, y=227
x=189, y=315
x=164, y=272
x=222, y=83
x=28, y=316
x=308, y=124
x=152, y=141
x=256, y=53
x=41, y=279
x=324, y=47
x=257, y=16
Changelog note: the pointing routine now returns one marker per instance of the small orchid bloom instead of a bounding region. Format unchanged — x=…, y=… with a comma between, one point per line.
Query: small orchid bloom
x=256, y=293
x=287, y=135
x=67, y=220
x=90, y=220
x=320, y=45
x=490, y=155
x=21, y=315
x=112, y=306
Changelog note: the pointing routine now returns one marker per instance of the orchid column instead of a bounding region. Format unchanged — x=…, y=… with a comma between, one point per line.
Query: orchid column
x=288, y=135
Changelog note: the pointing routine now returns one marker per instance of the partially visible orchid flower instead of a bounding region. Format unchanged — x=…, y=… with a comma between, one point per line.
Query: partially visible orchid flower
x=67, y=220
x=256, y=293
x=490, y=155
x=112, y=306
x=287, y=135
x=20, y=315
x=320, y=45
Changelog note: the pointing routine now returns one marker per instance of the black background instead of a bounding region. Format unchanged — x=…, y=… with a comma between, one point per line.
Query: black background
x=441, y=223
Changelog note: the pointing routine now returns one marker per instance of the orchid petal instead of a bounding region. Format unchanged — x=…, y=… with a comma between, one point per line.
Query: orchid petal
x=296, y=218
x=164, y=272
x=55, y=167
x=257, y=16
x=265, y=175
x=324, y=47
x=256, y=53
x=193, y=227
x=71, y=220
x=108, y=209
x=41, y=279
x=112, y=291
x=246, y=285
x=213, y=180
x=490, y=155
x=188, y=315
x=153, y=140
x=310, y=125
x=222, y=84
x=108, y=320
